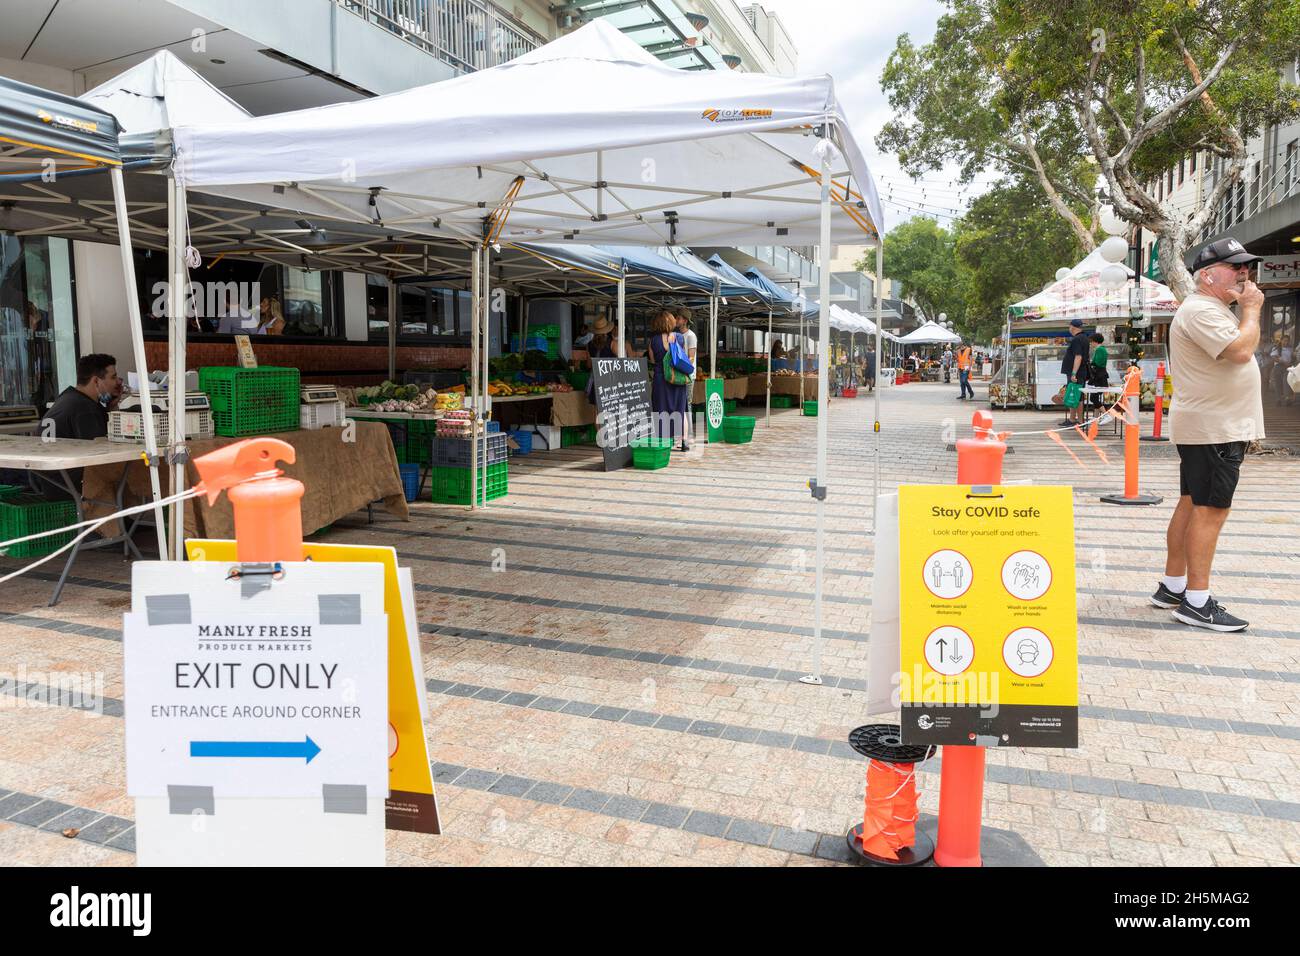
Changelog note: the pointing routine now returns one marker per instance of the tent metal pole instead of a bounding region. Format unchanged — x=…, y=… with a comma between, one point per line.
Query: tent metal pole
x=823, y=412
x=176, y=373
x=394, y=303
x=802, y=345
x=475, y=307
x=137, y=346
x=487, y=353
x=620, y=331
x=880, y=322
x=713, y=332
x=769, y=369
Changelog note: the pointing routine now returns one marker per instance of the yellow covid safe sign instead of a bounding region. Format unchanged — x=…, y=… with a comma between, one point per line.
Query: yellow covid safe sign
x=989, y=616
x=411, y=803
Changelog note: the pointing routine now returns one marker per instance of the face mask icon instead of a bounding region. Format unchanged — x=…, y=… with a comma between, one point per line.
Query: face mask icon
x=1027, y=651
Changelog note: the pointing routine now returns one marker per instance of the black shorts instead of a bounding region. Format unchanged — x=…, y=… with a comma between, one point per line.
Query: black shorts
x=1209, y=473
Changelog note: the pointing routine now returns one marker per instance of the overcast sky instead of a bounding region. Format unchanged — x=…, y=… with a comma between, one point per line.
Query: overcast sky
x=851, y=40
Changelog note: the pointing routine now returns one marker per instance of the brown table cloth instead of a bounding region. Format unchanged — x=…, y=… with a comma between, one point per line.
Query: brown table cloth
x=340, y=477
x=572, y=408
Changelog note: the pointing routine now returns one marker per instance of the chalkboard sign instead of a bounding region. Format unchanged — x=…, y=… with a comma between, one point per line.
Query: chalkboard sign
x=623, y=407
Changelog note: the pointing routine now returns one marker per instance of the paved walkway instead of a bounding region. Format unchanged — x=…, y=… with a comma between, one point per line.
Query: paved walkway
x=623, y=691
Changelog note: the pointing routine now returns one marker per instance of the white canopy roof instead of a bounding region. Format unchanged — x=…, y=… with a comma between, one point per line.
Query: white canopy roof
x=612, y=147
x=931, y=333
x=1080, y=296
x=163, y=92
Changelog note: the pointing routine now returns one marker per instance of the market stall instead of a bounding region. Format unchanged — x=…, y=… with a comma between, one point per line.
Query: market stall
x=512, y=153
x=1031, y=374
x=339, y=477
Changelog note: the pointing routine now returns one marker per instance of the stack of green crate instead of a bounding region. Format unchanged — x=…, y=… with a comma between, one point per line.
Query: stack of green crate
x=252, y=401
x=451, y=485
x=552, y=335
x=783, y=401
x=419, y=440
x=23, y=513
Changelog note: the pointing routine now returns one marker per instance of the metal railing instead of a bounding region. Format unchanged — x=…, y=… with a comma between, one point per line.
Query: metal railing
x=1237, y=206
x=468, y=34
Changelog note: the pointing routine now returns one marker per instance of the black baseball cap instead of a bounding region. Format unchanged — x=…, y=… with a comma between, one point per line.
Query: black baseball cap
x=1224, y=250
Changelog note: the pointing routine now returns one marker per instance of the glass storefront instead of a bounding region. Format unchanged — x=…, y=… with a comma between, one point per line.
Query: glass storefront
x=1277, y=346
x=38, y=344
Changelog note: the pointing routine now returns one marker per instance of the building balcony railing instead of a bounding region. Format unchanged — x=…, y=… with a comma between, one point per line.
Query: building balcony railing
x=1245, y=200
x=468, y=34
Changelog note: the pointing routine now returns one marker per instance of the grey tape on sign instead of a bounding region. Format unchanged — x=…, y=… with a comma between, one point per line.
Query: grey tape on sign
x=991, y=740
x=188, y=800
x=167, y=609
x=342, y=609
x=254, y=579
x=344, y=797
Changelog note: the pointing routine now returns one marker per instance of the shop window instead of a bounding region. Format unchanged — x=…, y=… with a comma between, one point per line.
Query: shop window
x=229, y=297
x=38, y=347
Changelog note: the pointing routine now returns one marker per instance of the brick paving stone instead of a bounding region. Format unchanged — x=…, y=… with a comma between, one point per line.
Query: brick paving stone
x=629, y=685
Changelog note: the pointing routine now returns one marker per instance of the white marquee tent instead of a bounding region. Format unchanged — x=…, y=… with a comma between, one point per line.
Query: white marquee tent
x=587, y=139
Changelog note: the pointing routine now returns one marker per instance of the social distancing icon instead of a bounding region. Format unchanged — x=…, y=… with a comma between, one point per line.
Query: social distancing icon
x=947, y=574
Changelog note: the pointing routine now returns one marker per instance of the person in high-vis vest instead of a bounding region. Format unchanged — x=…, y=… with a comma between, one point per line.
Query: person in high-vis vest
x=963, y=371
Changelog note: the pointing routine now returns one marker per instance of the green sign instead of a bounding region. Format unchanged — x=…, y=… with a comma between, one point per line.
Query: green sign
x=713, y=408
x=1153, y=267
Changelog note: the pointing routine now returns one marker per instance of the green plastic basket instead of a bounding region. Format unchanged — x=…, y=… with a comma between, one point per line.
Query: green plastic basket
x=26, y=513
x=651, y=452
x=419, y=440
x=571, y=435
x=810, y=409
x=738, y=429
x=451, y=486
x=729, y=405
x=783, y=401
x=252, y=401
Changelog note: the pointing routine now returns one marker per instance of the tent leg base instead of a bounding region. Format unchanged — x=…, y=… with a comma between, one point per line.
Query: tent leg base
x=1119, y=499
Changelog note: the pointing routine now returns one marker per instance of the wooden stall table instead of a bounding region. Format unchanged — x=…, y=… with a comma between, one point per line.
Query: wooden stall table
x=54, y=461
x=339, y=477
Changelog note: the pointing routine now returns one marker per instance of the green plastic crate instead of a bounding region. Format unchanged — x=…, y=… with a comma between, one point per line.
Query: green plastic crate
x=783, y=401
x=571, y=435
x=545, y=331
x=419, y=440
x=810, y=409
x=451, y=486
x=738, y=429
x=729, y=405
x=579, y=380
x=252, y=401
x=9, y=491
x=651, y=452
x=26, y=513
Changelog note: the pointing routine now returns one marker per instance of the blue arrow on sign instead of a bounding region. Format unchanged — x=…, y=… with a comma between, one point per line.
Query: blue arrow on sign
x=255, y=748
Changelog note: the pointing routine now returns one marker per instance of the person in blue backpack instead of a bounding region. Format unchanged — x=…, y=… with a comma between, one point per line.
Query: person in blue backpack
x=670, y=401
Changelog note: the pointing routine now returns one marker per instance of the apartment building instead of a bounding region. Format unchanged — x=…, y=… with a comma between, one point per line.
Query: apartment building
x=280, y=55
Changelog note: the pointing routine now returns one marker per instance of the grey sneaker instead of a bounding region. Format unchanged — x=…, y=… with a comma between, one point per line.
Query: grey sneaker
x=1166, y=598
x=1213, y=616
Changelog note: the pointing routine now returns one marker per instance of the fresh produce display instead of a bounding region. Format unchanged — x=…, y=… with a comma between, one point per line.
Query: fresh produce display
x=390, y=397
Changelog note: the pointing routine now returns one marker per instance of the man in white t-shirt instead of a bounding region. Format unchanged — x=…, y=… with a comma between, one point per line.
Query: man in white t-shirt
x=692, y=341
x=683, y=315
x=1217, y=411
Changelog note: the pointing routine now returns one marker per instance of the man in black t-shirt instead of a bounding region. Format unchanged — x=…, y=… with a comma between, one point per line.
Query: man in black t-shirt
x=1074, y=366
x=82, y=412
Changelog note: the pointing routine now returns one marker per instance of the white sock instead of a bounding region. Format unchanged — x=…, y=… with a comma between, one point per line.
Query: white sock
x=1176, y=584
x=1197, y=598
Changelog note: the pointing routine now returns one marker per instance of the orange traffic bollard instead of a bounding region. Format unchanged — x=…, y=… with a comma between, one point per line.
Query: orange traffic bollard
x=1160, y=406
x=961, y=777
x=1132, y=438
x=267, y=505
